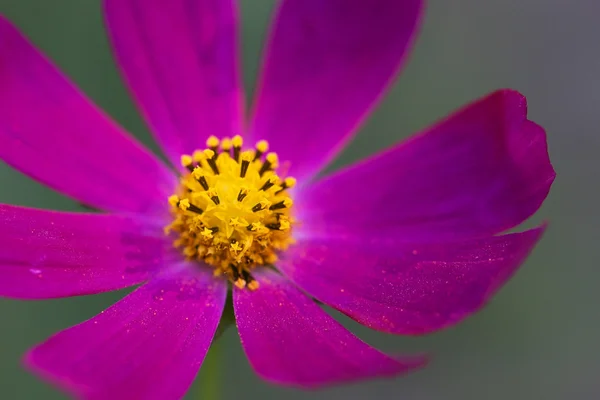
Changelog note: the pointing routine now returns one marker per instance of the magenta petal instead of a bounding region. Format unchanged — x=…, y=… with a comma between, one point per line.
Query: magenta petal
x=406, y=288
x=180, y=59
x=51, y=132
x=149, y=345
x=326, y=65
x=290, y=340
x=483, y=170
x=46, y=254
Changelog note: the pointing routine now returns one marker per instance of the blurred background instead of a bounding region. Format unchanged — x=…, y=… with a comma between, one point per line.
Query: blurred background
x=538, y=339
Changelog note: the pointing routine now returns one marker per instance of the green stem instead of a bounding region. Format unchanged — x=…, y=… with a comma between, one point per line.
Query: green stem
x=209, y=375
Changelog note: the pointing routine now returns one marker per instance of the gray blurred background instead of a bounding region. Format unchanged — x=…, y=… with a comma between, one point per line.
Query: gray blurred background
x=538, y=339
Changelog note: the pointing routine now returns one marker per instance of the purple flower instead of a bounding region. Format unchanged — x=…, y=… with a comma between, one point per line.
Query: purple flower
x=408, y=241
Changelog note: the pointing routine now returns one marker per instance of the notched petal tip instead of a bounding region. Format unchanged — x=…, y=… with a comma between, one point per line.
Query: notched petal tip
x=487, y=164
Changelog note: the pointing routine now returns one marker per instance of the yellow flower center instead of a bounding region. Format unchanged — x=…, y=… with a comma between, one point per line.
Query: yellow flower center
x=232, y=210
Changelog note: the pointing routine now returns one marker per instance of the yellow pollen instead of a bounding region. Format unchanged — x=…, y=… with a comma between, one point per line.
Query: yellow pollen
x=232, y=210
x=212, y=141
x=262, y=146
x=253, y=285
x=290, y=182
x=226, y=144
x=197, y=156
x=208, y=153
x=237, y=141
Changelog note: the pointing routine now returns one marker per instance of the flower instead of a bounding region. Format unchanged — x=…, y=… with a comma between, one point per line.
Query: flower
x=408, y=241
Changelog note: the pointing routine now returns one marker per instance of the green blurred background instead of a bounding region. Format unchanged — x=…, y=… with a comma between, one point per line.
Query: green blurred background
x=538, y=339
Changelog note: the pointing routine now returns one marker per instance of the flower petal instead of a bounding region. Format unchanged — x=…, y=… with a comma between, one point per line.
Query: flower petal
x=290, y=340
x=180, y=59
x=149, y=345
x=326, y=65
x=47, y=254
x=481, y=171
x=406, y=288
x=51, y=132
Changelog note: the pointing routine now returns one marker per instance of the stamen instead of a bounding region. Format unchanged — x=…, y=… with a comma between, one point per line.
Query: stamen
x=251, y=283
x=282, y=204
x=211, y=159
x=237, y=142
x=198, y=156
x=203, y=183
x=245, y=165
x=195, y=209
x=226, y=145
x=187, y=162
x=213, y=144
x=261, y=148
x=240, y=283
x=269, y=183
x=271, y=161
x=242, y=194
x=288, y=183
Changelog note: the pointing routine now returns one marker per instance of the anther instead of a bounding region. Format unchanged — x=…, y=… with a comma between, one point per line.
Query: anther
x=203, y=183
x=242, y=194
x=286, y=203
x=240, y=283
x=198, y=156
x=261, y=148
x=287, y=183
x=214, y=197
x=245, y=165
x=213, y=143
x=194, y=209
x=211, y=159
x=269, y=183
x=174, y=200
x=284, y=224
x=271, y=160
x=251, y=283
x=226, y=145
x=237, y=143
x=188, y=162
x=274, y=226
x=277, y=206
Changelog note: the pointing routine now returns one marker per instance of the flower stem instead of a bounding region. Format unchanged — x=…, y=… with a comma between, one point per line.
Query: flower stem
x=209, y=374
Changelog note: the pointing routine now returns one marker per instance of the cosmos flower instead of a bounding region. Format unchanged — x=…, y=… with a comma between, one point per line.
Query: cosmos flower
x=408, y=241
